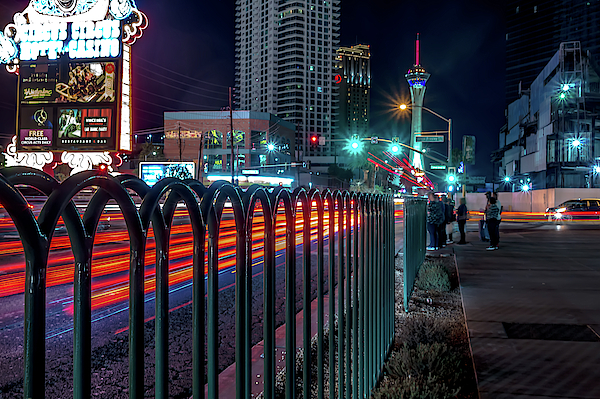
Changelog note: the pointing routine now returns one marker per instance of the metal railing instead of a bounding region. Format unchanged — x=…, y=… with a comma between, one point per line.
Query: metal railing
x=415, y=240
x=362, y=240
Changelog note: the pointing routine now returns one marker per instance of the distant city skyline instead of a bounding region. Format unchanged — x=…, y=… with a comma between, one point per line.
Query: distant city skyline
x=187, y=62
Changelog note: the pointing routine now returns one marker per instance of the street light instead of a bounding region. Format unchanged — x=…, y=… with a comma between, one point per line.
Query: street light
x=271, y=147
x=507, y=179
x=447, y=120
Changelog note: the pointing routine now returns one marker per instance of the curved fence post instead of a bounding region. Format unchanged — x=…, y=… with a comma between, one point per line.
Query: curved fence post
x=360, y=233
x=279, y=194
x=35, y=246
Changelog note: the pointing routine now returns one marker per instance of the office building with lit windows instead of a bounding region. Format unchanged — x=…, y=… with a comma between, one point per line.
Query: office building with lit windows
x=285, y=53
x=353, y=72
x=535, y=29
x=552, y=135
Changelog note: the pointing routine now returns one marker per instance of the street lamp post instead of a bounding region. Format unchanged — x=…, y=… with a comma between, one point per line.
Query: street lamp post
x=447, y=120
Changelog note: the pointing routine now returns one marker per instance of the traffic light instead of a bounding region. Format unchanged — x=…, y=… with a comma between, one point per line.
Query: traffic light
x=355, y=143
x=395, y=147
x=314, y=140
x=451, y=176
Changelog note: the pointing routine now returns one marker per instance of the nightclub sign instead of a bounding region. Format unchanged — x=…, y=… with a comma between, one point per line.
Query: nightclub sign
x=73, y=60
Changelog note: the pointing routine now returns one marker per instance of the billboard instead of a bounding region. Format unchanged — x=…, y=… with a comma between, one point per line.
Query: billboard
x=77, y=101
x=72, y=58
x=151, y=172
x=469, y=149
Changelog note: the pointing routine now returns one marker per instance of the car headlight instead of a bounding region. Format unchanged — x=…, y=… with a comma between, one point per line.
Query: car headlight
x=558, y=215
x=561, y=210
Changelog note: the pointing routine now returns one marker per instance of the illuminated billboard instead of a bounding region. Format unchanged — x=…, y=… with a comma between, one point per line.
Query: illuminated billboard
x=73, y=61
x=151, y=172
x=77, y=103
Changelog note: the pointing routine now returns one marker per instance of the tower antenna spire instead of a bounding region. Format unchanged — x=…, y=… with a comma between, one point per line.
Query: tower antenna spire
x=417, y=51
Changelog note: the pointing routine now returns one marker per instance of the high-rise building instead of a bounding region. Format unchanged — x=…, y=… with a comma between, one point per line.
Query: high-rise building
x=285, y=52
x=417, y=78
x=353, y=72
x=535, y=29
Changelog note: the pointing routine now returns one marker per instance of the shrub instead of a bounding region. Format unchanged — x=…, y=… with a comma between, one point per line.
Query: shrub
x=427, y=371
x=421, y=329
x=433, y=276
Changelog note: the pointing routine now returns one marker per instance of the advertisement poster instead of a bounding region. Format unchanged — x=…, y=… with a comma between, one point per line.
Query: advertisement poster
x=36, y=127
x=93, y=82
x=151, y=172
x=88, y=83
x=84, y=126
x=38, y=84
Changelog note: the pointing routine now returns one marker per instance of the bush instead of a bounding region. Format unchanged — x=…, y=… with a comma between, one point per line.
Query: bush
x=421, y=329
x=412, y=388
x=433, y=276
x=427, y=371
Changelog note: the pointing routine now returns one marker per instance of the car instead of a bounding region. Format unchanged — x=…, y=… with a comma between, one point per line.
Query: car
x=575, y=209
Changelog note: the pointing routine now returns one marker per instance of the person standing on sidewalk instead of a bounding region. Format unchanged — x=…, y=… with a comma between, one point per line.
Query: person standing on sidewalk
x=450, y=219
x=492, y=213
x=435, y=217
x=462, y=215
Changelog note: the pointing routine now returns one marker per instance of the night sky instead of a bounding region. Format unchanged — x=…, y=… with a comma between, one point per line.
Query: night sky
x=185, y=61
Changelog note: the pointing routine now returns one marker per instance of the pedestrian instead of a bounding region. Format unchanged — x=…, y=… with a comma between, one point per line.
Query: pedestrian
x=495, y=195
x=483, y=226
x=450, y=219
x=492, y=213
x=462, y=215
x=435, y=218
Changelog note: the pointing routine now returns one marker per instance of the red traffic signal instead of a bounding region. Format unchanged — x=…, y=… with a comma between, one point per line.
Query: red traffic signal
x=314, y=139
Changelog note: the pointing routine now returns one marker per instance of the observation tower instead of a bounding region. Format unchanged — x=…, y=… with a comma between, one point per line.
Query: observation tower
x=417, y=78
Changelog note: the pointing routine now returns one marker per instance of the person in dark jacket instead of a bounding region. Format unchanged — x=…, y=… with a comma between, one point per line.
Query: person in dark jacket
x=462, y=215
x=435, y=219
x=492, y=214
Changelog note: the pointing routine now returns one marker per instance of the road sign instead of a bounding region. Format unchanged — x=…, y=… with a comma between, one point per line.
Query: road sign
x=430, y=139
x=437, y=166
x=475, y=179
x=468, y=145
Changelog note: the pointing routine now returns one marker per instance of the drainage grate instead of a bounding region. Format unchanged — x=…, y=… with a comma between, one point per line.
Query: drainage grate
x=551, y=332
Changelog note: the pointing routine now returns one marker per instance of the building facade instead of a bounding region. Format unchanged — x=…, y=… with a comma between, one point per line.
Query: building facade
x=535, y=29
x=552, y=135
x=263, y=143
x=285, y=53
x=353, y=72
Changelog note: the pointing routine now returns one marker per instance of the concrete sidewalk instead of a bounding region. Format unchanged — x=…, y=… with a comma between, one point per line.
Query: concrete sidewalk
x=533, y=311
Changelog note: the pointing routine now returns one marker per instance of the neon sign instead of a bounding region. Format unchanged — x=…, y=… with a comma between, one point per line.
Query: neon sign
x=87, y=40
x=79, y=29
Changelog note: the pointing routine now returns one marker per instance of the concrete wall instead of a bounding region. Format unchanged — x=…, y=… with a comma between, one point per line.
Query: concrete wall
x=533, y=201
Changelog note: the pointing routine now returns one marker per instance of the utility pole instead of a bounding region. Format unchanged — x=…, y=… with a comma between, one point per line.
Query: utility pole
x=179, y=129
x=231, y=137
x=200, y=158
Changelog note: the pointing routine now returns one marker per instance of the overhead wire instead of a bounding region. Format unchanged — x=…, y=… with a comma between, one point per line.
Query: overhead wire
x=179, y=74
x=174, y=80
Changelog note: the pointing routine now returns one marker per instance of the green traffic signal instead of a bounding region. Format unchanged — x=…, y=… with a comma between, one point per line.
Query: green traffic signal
x=355, y=143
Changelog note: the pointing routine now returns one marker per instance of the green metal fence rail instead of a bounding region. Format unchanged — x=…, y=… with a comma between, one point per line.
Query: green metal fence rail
x=415, y=240
x=359, y=282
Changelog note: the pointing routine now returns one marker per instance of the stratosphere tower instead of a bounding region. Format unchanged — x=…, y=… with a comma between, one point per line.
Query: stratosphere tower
x=417, y=78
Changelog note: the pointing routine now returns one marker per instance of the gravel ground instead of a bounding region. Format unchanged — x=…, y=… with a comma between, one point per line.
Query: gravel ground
x=436, y=305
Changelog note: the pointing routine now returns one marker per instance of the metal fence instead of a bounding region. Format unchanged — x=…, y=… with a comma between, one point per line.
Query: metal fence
x=415, y=240
x=360, y=234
